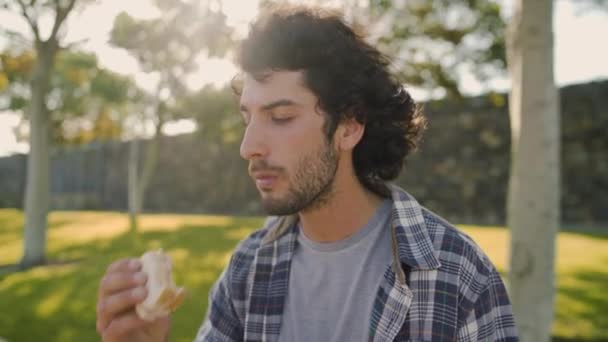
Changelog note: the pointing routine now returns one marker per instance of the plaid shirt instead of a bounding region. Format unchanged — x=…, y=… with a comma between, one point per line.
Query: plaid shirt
x=439, y=287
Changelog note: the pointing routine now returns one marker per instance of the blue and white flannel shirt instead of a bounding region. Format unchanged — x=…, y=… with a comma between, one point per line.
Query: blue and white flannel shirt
x=439, y=287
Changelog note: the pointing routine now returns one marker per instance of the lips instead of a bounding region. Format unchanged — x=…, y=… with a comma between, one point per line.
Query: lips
x=264, y=180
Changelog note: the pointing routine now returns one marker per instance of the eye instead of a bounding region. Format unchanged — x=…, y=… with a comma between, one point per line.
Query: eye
x=282, y=120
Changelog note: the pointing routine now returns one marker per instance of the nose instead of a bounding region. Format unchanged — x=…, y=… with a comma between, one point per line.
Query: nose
x=254, y=146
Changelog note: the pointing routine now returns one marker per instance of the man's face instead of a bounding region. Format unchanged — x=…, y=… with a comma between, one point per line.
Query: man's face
x=291, y=161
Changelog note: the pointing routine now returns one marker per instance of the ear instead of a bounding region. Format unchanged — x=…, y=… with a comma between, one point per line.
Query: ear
x=348, y=134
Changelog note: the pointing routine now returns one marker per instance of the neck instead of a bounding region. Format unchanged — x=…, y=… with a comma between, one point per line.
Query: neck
x=348, y=209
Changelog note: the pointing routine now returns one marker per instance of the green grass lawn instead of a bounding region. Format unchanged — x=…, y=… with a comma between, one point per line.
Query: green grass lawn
x=57, y=302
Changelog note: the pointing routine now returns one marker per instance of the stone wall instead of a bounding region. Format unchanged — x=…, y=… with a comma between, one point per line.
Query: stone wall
x=460, y=171
x=462, y=167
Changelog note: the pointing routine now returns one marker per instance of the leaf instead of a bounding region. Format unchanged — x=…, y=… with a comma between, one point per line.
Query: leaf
x=17, y=103
x=434, y=39
x=3, y=81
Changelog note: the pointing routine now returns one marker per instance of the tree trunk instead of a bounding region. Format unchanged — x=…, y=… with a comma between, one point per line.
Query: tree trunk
x=138, y=182
x=37, y=182
x=533, y=198
x=150, y=161
x=134, y=204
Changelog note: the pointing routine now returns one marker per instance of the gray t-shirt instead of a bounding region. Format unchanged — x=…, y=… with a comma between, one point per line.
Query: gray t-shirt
x=332, y=286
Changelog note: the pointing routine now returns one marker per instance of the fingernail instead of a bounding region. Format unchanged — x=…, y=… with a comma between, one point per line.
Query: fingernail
x=139, y=292
x=140, y=278
x=134, y=264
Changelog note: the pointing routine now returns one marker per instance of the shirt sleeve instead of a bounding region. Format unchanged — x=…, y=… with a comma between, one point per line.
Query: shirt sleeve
x=222, y=323
x=491, y=318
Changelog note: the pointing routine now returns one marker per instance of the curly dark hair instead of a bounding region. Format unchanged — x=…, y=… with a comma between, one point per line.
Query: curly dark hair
x=350, y=78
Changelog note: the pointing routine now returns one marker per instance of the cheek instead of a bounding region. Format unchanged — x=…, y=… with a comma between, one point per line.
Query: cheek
x=293, y=156
x=290, y=144
x=287, y=143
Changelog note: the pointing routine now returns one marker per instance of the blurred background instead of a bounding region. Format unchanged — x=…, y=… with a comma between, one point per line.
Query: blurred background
x=125, y=111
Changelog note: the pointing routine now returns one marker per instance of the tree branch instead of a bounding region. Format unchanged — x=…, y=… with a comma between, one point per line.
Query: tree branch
x=15, y=36
x=74, y=45
x=33, y=24
x=60, y=15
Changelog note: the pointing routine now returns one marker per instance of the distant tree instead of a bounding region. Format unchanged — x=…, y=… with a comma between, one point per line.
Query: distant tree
x=85, y=102
x=216, y=113
x=167, y=46
x=110, y=98
x=435, y=42
x=221, y=127
x=46, y=49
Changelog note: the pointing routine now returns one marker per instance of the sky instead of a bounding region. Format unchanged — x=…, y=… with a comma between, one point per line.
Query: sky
x=578, y=55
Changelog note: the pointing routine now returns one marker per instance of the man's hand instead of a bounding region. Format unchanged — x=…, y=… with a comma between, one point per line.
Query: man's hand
x=120, y=289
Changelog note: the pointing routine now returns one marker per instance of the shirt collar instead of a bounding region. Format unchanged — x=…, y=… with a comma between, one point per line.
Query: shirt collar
x=412, y=244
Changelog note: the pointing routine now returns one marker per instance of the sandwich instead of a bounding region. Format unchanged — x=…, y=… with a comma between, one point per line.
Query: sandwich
x=163, y=295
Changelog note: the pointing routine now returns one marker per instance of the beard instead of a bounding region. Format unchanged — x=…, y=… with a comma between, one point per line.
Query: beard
x=310, y=188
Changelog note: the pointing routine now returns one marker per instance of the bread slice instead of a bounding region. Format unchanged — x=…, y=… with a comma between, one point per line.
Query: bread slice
x=163, y=295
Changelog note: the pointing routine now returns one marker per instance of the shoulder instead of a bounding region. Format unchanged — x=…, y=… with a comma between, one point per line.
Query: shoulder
x=276, y=230
x=484, y=309
x=245, y=252
x=460, y=256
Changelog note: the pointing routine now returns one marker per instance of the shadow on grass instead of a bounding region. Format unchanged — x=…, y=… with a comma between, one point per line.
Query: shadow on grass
x=11, y=221
x=8, y=269
x=595, y=234
x=57, y=303
x=599, y=231
x=588, y=291
x=11, y=232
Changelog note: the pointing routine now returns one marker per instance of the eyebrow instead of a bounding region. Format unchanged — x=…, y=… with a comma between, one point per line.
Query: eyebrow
x=273, y=105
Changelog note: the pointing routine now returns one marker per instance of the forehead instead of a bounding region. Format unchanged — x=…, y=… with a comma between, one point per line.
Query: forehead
x=277, y=85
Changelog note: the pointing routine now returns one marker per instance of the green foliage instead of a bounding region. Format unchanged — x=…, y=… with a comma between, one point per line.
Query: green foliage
x=79, y=79
x=15, y=69
x=113, y=87
x=33, y=10
x=434, y=41
x=87, y=92
x=169, y=46
x=216, y=113
x=57, y=302
x=79, y=90
x=70, y=82
x=75, y=86
x=174, y=39
x=17, y=65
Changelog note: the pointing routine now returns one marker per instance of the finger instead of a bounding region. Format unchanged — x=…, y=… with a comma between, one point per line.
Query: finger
x=124, y=265
x=119, y=281
x=112, y=306
x=125, y=324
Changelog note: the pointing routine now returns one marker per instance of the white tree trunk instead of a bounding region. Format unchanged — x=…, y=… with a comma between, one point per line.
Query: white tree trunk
x=132, y=180
x=37, y=182
x=138, y=181
x=533, y=199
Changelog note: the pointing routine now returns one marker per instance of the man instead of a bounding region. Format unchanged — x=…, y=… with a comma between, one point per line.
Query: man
x=346, y=256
